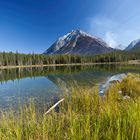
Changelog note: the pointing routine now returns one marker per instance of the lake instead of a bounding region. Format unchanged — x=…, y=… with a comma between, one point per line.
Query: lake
x=45, y=84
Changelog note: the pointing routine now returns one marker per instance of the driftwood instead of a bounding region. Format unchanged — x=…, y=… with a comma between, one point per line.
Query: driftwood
x=54, y=106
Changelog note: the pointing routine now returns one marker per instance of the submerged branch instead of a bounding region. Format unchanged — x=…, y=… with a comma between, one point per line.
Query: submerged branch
x=54, y=106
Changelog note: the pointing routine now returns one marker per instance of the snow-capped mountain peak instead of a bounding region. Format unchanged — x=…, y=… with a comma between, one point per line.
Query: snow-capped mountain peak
x=75, y=42
x=64, y=40
x=133, y=44
x=74, y=33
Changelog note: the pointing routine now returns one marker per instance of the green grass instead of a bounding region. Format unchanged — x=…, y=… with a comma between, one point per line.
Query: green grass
x=84, y=115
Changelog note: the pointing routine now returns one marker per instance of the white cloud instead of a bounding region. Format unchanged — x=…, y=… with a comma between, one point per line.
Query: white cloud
x=103, y=28
x=111, y=38
x=113, y=32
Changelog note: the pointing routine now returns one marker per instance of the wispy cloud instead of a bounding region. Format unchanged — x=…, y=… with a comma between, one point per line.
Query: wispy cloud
x=104, y=27
x=113, y=32
x=111, y=39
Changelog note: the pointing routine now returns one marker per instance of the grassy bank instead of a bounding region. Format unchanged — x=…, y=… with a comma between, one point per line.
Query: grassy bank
x=82, y=115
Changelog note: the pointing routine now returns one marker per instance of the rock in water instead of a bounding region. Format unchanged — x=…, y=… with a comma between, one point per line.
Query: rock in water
x=111, y=80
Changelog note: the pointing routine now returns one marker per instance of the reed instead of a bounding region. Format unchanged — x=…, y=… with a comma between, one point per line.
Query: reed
x=82, y=115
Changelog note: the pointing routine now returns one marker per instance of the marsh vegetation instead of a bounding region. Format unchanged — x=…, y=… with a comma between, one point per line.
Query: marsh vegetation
x=82, y=115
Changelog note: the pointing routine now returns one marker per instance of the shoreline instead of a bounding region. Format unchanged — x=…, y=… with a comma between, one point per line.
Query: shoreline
x=52, y=65
x=72, y=64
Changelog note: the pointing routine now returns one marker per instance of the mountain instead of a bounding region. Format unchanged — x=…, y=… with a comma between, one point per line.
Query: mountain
x=79, y=42
x=120, y=47
x=134, y=45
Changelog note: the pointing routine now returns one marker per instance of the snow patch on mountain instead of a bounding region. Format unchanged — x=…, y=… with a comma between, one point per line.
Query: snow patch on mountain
x=133, y=44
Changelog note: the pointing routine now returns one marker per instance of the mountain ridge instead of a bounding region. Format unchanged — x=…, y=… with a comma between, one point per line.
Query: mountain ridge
x=133, y=45
x=79, y=42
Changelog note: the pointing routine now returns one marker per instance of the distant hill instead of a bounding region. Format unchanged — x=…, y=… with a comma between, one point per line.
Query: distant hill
x=120, y=47
x=79, y=42
x=134, y=46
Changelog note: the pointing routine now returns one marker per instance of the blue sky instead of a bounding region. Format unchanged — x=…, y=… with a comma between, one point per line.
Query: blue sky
x=33, y=25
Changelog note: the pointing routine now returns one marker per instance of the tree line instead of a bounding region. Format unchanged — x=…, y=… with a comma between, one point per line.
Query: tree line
x=18, y=59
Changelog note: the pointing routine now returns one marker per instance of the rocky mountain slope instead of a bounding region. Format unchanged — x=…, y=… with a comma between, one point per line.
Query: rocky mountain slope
x=134, y=45
x=79, y=42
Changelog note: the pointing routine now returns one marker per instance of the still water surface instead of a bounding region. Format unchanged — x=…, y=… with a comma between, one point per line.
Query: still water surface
x=47, y=83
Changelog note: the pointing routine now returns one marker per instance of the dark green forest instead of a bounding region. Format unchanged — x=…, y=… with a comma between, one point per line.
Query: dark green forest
x=17, y=59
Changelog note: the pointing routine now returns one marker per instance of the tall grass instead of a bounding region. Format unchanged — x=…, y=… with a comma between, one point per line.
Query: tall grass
x=83, y=115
